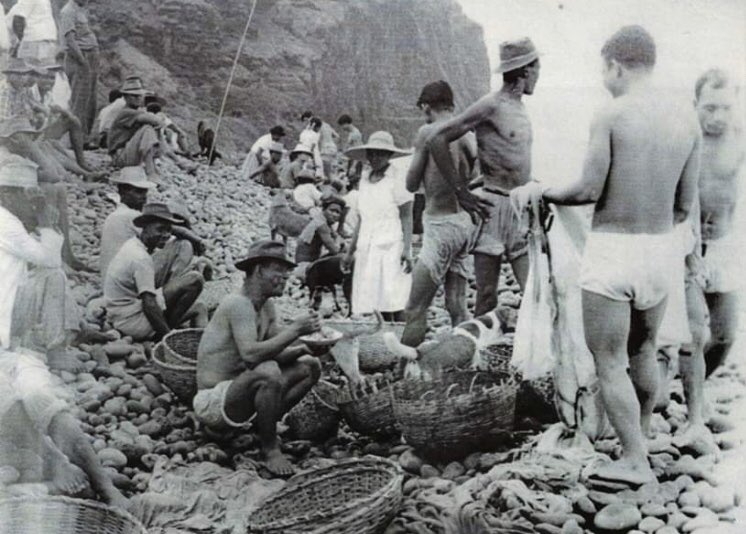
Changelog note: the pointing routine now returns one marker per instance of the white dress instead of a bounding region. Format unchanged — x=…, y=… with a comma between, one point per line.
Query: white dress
x=379, y=281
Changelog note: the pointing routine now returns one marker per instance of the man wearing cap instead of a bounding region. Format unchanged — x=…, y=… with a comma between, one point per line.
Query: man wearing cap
x=260, y=151
x=448, y=230
x=34, y=25
x=134, y=305
x=81, y=62
x=504, y=138
x=250, y=368
x=301, y=159
x=267, y=173
x=133, y=137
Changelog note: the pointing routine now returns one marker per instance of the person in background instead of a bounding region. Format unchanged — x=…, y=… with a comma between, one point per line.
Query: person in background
x=310, y=137
x=35, y=29
x=328, y=148
x=268, y=173
x=301, y=159
x=305, y=194
x=106, y=117
x=260, y=151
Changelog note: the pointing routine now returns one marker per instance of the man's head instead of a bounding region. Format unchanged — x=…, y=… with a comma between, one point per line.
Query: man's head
x=519, y=64
x=133, y=92
x=133, y=186
x=132, y=197
x=332, y=206
x=156, y=222
x=435, y=98
x=345, y=122
x=716, y=97
x=306, y=116
x=275, y=152
x=19, y=74
x=267, y=267
x=315, y=123
x=277, y=133
x=627, y=55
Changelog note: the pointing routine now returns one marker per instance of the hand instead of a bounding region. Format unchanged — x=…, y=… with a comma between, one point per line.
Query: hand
x=525, y=196
x=475, y=206
x=307, y=324
x=406, y=262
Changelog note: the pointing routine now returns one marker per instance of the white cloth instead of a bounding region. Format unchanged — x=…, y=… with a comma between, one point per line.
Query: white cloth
x=40, y=25
x=251, y=162
x=107, y=115
x=379, y=281
x=61, y=91
x=353, y=214
x=118, y=228
x=310, y=138
x=327, y=145
x=4, y=33
x=307, y=196
x=17, y=248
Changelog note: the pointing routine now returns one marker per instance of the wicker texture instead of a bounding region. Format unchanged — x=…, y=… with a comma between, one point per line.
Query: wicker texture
x=181, y=378
x=373, y=356
x=64, y=515
x=358, y=496
x=498, y=361
x=180, y=346
x=455, y=414
x=316, y=417
x=372, y=414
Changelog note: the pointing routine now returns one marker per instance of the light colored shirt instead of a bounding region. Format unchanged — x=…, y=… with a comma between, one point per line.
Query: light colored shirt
x=327, y=145
x=117, y=230
x=107, y=115
x=17, y=248
x=74, y=18
x=307, y=196
x=264, y=143
x=130, y=274
x=310, y=139
x=40, y=24
x=354, y=138
x=61, y=91
x=4, y=33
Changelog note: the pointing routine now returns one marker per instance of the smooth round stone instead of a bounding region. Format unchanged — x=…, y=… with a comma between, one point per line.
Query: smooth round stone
x=653, y=510
x=689, y=498
x=617, y=517
x=650, y=524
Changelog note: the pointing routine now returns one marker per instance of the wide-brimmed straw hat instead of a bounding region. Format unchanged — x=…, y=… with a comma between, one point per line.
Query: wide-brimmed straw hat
x=300, y=148
x=516, y=54
x=18, y=65
x=266, y=249
x=133, y=176
x=380, y=140
x=331, y=198
x=133, y=86
x=16, y=171
x=155, y=212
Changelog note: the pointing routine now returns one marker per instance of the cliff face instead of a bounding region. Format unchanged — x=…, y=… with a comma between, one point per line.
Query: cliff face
x=368, y=58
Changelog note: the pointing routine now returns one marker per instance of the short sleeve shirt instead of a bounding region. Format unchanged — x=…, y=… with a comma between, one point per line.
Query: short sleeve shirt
x=307, y=195
x=130, y=274
x=39, y=17
x=117, y=230
x=124, y=126
x=75, y=18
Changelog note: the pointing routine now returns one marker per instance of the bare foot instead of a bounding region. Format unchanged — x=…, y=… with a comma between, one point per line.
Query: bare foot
x=276, y=463
x=658, y=443
x=60, y=360
x=112, y=496
x=68, y=478
x=624, y=471
x=698, y=439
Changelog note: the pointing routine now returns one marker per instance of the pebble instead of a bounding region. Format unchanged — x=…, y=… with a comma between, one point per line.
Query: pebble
x=667, y=530
x=151, y=428
x=717, y=499
x=706, y=518
x=653, y=510
x=115, y=406
x=410, y=462
x=152, y=384
x=617, y=517
x=112, y=457
x=572, y=527
x=453, y=470
x=689, y=498
x=585, y=505
x=650, y=524
x=428, y=471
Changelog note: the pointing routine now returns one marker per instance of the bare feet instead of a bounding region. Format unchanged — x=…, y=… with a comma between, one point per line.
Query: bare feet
x=623, y=471
x=58, y=359
x=114, y=497
x=68, y=478
x=696, y=438
x=277, y=464
x=659, y=443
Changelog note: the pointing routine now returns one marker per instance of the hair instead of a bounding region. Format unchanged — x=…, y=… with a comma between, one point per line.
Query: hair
x=306, y=115
x=344, y=119
x=632, y=47
x=438, y=95
x=715, y=78
x=315, y=122
x=114, y=94
x=277, y=130
x=153, y=107
x=514, y=75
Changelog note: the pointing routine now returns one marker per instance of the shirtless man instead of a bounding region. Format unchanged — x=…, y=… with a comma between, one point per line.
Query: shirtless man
x=448, y=230
x=504, y=141
x=249, y=368
x=641, y=172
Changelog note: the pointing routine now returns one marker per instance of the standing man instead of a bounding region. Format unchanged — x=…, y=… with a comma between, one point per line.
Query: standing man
x=81, y=61
x=33, y=24
x=448, y=230
x=354, y=138
x=641, y=171
x=328, y=147
x=310, y=137
x=504, y=139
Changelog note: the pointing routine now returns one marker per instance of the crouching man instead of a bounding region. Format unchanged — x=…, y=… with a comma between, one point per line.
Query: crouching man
x=250, y=369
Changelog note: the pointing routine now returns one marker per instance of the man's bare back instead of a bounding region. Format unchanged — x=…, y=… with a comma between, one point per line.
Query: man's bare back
x=652, y=144
x=219, y=357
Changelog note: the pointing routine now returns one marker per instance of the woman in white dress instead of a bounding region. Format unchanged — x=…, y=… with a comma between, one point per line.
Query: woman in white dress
x=381, y=244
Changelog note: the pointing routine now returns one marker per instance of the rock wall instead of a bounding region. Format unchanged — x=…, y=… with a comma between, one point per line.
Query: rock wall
x=368, y=58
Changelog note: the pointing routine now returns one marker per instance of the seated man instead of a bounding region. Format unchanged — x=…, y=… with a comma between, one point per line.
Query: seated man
x=305, y=194
x=133, y=304
x=320, y=232
x=268, y=172
x=133, y=138
x=300, y=159
x=249, y=368
x=106, y=117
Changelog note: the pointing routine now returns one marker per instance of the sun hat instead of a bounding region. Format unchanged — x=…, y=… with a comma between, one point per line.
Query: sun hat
x=155, y=212
x=16, y=171
x=265, y=249
x=133, y=176
x=180, y=211
x=380, y=140
x=300, y=148
x=277, y=147
x=16, y=125
x=516, y=54
x=328, y=200
x=133, y=86
x=18, y=65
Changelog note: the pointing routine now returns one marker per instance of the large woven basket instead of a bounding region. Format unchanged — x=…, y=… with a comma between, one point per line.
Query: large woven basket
x=180, y=346
x=64, y=515
x=373, y=356
x=461, y=411
x=181, y=378
x=316, y=417
x=372, y=414
x=357, y=496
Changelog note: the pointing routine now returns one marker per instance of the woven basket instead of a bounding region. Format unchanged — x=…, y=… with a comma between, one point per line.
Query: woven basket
x=371, y=415
x=181, y=378
x=498, y=361
x=373, y=356
x=64, y=515
x=357, y=496
x=456, y=414
x=180, y=346
x=316, y=417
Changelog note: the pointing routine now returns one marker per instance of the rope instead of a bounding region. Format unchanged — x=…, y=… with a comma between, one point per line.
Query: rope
x=230, y=79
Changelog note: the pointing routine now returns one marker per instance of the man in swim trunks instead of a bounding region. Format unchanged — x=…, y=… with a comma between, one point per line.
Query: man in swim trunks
x=250, y=369
x=504, y=139
x=448, y=230
x=641, y=172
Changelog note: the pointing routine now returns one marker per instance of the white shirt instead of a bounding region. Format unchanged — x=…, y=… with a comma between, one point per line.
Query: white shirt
x=4, y=34
x=307, y=196
x=17, y=248
x=310, y=139
x=118, y=228
x=40, y=25
x=264, y=143
x=107, y=115
x=61, y=91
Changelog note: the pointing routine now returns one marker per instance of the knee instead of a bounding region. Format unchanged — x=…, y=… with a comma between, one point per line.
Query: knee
x=193, y=281
x=722, y=333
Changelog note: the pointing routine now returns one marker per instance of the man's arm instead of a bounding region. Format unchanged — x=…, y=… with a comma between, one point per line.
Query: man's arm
x=182, y=232
x=259, y=170
x=588, y=189
x=688, y=186
x=154, y=314
x=416, y=172
x=328, y=239
x=72, y=47
x=405, y=216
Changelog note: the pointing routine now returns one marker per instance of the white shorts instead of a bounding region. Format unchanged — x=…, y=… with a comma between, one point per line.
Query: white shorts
x=634, y=268
x=209, y=408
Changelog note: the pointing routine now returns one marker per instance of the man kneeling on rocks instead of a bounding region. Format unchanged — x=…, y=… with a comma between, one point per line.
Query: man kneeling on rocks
x=250, y=369
x=133, y=304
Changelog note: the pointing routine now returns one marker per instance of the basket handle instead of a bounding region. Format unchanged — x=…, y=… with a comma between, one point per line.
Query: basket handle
x=448, y=391
x=323, y=402
x=473, y=380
